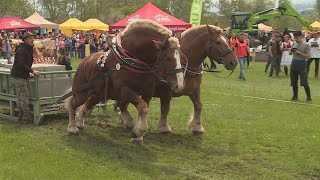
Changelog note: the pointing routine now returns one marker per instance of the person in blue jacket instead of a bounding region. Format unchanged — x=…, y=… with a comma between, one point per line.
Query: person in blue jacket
x=86, y=48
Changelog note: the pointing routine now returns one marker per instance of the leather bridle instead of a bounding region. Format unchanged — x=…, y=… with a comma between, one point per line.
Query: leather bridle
x=212, y=45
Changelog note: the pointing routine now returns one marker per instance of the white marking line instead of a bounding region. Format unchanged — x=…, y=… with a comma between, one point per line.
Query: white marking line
x=267, y=99
x=179, y=75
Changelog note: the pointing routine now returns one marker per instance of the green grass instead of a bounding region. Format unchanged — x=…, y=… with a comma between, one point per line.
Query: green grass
x=245, y=138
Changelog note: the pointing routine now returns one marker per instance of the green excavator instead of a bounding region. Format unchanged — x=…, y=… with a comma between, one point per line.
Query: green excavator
x=243, y=21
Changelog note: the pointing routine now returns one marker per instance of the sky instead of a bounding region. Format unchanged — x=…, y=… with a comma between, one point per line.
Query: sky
x=293, y=1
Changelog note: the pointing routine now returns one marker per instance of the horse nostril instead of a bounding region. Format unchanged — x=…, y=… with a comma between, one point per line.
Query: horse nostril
x=231, y=64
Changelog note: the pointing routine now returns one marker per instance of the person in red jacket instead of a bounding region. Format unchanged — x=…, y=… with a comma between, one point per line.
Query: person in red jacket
x=233, y=41
x=241, y=48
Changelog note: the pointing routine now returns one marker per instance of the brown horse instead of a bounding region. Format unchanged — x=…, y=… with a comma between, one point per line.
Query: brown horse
x=197, y=43
x=128, y=79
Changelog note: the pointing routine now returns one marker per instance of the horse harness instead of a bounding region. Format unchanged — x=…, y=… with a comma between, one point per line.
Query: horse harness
x=125, y=61
x=221, y=58
x=128, y=62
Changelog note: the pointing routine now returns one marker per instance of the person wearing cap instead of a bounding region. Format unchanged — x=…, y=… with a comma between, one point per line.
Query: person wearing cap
x=315, y=53
x=20, y=75
x=301, y=52
x=275, y=54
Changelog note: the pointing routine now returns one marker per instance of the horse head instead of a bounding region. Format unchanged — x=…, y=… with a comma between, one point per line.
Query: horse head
x=153, y=43
x=219, y=50
x=170, y=62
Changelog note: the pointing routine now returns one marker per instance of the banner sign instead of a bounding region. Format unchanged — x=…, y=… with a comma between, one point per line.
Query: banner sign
x=196, y=12
x=43, y=51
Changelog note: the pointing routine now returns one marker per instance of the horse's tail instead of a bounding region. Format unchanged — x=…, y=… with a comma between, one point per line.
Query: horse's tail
x=67, y=102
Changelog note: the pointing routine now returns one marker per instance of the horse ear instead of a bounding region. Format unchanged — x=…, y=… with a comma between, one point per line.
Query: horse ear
x=158, y=44
x=210, y=30
x=178, y=36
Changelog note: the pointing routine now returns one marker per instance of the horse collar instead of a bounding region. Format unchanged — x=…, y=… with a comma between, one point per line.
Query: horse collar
x=128, y=61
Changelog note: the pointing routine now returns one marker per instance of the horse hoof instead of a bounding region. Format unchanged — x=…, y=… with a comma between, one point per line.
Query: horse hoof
x=197, y=133
x=73, y=130
x=133, y=135
x=129, y=125
x=164, y=129
x=165, y=132
x=128, y=128
x=81, y=128
x=136, y=140
x=80, y=125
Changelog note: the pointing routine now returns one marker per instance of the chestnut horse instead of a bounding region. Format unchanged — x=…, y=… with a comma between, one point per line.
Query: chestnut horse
x=197, y=43
x=153, y=54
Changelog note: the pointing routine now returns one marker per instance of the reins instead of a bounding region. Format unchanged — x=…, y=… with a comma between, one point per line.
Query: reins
x=212, y=72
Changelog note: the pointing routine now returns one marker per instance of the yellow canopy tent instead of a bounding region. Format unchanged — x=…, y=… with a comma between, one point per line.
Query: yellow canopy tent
x=96, y=25
x=72, y=24
x=316, y=25
x=264, y=28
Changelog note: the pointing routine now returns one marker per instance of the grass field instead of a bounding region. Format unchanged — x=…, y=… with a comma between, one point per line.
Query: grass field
x=245, y=138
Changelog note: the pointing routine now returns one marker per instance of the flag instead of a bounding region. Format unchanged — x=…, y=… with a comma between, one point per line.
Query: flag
x=196, y=12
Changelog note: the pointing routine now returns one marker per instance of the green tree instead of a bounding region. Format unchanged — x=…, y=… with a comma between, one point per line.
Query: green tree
x=19, y=8
x=261, y=5
x=317, y=7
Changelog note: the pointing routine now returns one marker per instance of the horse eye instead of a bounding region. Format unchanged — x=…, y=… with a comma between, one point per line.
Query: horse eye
x=218, y=42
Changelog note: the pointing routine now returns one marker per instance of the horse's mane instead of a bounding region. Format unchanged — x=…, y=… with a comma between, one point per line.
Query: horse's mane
x=144, y=23
x=141, y=24
x=193, y=32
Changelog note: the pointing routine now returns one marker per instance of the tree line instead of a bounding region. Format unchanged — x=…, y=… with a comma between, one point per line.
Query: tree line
x=114, y=10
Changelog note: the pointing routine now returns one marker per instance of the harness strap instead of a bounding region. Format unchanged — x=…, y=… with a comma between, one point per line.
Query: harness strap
x=85, y=86
x=131, y=64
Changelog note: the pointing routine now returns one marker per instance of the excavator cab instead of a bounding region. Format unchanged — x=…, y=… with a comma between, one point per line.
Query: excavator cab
x=239, y=21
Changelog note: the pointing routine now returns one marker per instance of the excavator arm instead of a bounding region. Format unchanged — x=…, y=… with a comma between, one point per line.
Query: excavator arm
x=284, y=10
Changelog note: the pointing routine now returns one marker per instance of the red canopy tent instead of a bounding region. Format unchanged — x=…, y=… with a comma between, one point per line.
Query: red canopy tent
x=152, y=12
x=11, y=23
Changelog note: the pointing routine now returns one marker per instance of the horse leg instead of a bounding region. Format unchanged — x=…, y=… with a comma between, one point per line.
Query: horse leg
x=195, y=123
x=89, y=104
x=163, y=126
x=71, y=106
x=116, y=106
x=127, y=119
x=141, y=126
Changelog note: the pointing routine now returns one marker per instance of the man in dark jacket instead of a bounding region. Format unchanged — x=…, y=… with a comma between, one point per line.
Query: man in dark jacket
x=20, y=74
x=275, y=54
